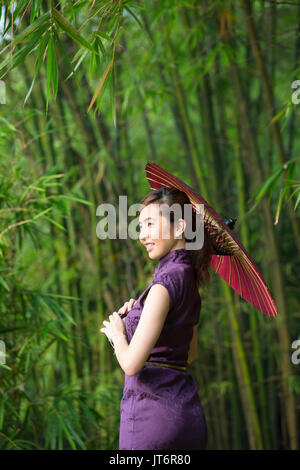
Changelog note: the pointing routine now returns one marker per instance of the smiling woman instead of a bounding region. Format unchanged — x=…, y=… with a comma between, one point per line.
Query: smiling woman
x=160, y=406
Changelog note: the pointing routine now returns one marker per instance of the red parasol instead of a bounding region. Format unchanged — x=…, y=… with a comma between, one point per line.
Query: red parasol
x=231, y=261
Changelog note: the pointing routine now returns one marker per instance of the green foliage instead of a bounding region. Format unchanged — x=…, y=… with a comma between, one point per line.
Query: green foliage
x=271, y=184
x=45, y=30
x=38, y=409
x=178, y=83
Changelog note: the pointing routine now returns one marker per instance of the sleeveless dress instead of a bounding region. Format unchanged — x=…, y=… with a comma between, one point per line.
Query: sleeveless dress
x=160, y=407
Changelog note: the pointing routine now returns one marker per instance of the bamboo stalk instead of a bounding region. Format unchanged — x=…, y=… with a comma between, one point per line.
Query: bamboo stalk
x=254, y=170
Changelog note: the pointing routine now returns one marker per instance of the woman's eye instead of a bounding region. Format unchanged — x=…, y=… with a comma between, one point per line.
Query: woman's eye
x=149, y=223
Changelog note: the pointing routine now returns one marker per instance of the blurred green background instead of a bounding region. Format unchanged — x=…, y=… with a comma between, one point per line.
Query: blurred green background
x=91, y=91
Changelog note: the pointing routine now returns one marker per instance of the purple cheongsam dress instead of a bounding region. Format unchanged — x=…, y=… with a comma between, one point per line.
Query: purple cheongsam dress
x=160, y=407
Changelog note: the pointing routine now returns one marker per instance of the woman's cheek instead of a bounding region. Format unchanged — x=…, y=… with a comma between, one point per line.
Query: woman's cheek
x=154, y=234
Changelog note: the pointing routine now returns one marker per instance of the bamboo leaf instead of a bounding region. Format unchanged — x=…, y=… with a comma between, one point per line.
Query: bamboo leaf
x=43, y=19
x=87, y=412
x=51, y=177
x=112, y=96
x=60, y=438
x=35, y=9
x=293, y=193
x=291, y=169
x=19, y=7
x=56, y=224
x=20, y=55
x=8, y=124
x=275, y=118
x=49, y=68
x=73, y=198
x=2, y=403
x=54, y=69
x=134, y=17
x=4, y=284
x=119, y=35
x=92, y=66
x=56, y=308
x=298, y=199
x=101, y=84
x=59, y=296
x=41, y=213
x=72, y=443
x=52, y=327
x=52, y=431
x=71, y=428
x=42, y=48
x=100, y=45
x=263, y=188
x=22, y=348
x=97, y=56
x=103, y=35
x=67, y=58
x=279, y=207
x=68, y=28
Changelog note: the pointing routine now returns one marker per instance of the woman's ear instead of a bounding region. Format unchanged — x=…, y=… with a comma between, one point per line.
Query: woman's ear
x=180, y=228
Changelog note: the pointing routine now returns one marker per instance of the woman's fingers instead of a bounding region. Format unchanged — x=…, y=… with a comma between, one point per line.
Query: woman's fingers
x=123, y=309
x=127, y=306
x=132, y=302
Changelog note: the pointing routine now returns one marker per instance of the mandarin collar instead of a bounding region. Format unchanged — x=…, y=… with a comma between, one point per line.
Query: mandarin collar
x=179, y=255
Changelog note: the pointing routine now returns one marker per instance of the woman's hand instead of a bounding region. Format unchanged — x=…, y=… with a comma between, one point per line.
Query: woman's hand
x=110, y=328
x=115, y=326
x=126, y=308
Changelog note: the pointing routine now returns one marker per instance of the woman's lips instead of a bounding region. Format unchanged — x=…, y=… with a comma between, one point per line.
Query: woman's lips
x=150, y=246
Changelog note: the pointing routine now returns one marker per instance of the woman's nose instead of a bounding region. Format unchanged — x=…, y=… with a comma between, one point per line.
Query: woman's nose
x=143, y=234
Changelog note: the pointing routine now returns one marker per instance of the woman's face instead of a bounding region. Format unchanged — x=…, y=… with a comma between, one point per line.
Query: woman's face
x=156, y=233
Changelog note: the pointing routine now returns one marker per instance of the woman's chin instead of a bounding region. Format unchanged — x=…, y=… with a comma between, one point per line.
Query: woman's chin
x=152, y=253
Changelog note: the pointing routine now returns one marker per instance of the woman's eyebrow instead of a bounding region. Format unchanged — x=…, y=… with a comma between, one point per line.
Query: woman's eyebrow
x=148, y=218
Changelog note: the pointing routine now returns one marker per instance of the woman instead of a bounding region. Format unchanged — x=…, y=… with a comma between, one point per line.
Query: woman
x=160, y=408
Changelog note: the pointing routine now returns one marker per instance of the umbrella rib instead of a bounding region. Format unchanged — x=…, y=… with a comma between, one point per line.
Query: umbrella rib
x=220, y=262
x=167, y=182
x=245, y=278
x=248, y=279
x=262, y=285
x=229, y=270
x=238, y=274
x=163, y=177
x=171, y=180
x=253, y=276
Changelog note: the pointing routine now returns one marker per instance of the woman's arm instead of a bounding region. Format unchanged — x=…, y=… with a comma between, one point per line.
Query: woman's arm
x=193, y=346
x=133, y=356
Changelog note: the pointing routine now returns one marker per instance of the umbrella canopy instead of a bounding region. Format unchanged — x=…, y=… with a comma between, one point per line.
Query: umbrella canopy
x=230, y=259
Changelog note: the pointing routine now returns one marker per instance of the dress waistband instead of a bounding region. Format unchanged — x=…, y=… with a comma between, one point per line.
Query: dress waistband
x=164, y=364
